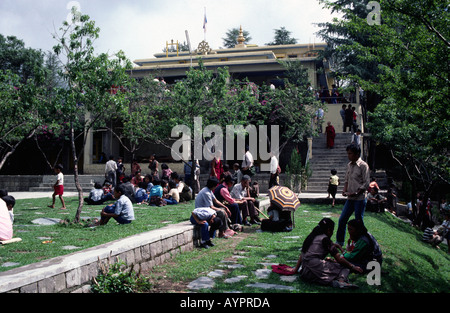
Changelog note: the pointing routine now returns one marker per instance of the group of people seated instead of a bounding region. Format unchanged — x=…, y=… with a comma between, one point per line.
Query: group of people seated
x=146, y=189
x=137, y=189
x=225, y=206
x=315, y=266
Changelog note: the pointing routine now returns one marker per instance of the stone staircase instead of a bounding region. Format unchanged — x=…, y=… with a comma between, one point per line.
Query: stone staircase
x=324, y=160
x=86, y=182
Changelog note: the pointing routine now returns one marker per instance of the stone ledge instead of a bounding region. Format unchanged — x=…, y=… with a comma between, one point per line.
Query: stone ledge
x=74, y=272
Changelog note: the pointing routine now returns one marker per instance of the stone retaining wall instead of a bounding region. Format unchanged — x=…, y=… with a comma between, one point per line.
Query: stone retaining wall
x=20, y=182
x=73, y=273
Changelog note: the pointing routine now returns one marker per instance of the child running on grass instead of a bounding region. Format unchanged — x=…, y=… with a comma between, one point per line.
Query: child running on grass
x=58, y=187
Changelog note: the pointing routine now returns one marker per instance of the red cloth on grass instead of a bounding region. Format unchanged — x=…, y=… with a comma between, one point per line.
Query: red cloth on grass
x=281, y=269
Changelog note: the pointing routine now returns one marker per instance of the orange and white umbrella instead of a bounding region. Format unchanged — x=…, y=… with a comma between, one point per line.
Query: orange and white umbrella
x=283, y=198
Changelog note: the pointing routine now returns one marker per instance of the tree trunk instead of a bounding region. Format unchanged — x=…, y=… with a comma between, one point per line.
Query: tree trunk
x=75, y=171
x=193, y=182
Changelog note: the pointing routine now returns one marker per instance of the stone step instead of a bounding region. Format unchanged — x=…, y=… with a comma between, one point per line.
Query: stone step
x=324, y=159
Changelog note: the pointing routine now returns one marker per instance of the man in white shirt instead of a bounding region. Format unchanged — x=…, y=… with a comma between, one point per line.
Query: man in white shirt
x=110, y=171
x=247, y=163
x=122, y=210
x=357, y=179
x=273, y=171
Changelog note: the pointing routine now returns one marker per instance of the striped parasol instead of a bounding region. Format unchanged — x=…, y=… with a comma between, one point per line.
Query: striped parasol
x=284, y=198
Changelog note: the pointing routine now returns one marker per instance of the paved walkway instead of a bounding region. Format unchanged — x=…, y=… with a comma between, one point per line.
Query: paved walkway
x=35, y=195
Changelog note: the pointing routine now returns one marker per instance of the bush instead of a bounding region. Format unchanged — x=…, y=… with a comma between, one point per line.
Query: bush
x=116, y=278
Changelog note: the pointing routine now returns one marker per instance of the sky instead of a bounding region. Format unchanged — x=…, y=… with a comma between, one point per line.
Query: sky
x=141, y=28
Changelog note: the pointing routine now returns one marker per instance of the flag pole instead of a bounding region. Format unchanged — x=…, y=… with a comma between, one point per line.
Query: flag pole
x=205, y=21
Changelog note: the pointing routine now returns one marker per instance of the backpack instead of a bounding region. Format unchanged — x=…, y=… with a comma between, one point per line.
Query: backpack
x=376, y=250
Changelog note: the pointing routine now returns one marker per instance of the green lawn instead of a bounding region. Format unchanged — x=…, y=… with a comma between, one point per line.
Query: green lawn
x=35, y=245
x=409, y=264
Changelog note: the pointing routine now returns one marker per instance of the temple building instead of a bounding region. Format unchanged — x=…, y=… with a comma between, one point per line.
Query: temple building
x=259, y=64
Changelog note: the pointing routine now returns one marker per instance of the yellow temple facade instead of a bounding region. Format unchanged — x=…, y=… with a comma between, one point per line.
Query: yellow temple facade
x=260, y=64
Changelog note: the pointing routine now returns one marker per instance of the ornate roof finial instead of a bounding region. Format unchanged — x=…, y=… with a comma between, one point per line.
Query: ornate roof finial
x=240, y=39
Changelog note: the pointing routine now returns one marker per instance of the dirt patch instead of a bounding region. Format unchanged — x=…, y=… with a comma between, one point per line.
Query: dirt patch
x=163, y=284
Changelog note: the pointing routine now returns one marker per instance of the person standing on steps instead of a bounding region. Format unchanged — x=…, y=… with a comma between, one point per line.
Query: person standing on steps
x=331, y=135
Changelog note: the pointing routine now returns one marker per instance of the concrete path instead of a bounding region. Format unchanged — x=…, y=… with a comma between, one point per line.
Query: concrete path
x=36, y=195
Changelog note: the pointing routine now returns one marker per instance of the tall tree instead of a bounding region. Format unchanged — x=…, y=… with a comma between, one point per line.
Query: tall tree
x=22, y=94
x=138, y=121
x=291, y=108
x=96, y=85
x=282, y=37
x=27, y=63
x=408, y=52
x=202, y=99
x=347, y=41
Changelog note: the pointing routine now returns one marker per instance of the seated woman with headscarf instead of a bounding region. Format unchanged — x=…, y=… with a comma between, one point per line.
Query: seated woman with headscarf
x=315, y=267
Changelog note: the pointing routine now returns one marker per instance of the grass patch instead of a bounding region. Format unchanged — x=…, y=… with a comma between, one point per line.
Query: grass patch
x=44, y=242
x=409, y=264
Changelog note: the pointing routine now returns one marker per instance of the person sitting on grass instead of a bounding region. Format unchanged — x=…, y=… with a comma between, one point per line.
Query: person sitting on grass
x=141, y=195
x=315, y=267
x=362, y=246
x=97, y=195
x=10, y=203
x=6, y=225
x=122, y=210
x=172, y=196
x=156, y=194
x=376, y=202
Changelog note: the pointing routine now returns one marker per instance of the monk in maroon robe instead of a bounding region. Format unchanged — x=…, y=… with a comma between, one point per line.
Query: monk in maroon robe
x=331, y=134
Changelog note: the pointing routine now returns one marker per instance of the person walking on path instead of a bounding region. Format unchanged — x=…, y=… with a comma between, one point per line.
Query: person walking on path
x=356, y=182
x=58, y=187
x=333, y=185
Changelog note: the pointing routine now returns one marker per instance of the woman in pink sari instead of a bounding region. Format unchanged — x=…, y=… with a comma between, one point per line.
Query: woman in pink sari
x=331, y=134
